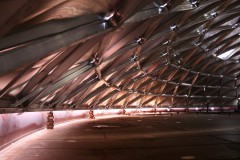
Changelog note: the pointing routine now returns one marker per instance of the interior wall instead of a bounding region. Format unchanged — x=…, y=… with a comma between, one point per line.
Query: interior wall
x=16, y=125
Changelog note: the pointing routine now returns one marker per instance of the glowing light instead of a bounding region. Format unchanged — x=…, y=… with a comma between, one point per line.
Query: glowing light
x=168, y=109
x=212, y=108
x=196, y=108
x=108, y=16
x=214, y=14
x=173, y=27
x=161, y=7
x=194, y=3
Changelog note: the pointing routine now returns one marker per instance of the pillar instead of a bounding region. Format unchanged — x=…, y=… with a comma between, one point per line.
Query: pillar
x=124, y=112
x=50, y=120
x=91, y=114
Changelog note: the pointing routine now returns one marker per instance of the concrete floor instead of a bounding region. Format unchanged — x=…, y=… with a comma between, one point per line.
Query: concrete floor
x=150, y=137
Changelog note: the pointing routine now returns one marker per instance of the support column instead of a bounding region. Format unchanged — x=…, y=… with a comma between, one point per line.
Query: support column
x=154, y=110
x=91, y=114
x=50, y=120
x=124, y=112
x=207, y=105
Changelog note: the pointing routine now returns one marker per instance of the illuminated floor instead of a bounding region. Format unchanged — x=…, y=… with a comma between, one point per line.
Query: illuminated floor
x=134, y=137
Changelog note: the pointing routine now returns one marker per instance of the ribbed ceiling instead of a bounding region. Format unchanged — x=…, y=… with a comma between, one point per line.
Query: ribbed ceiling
x=94, y=54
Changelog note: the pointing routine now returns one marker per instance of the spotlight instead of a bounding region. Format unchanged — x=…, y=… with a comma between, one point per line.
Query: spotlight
x=173, y=27
x=214, y=14
x=162, y=7
x=108, y=16
x=194, y=3
x=140, y=41
x=112, y=18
